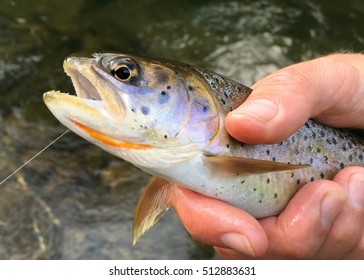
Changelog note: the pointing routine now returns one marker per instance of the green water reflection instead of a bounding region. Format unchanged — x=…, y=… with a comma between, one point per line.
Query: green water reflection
x=77, y=202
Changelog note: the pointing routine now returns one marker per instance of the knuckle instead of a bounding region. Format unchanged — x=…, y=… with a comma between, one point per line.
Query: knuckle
x=297, y=246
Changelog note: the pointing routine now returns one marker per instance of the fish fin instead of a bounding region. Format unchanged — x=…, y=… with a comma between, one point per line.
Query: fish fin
x=230, y=165
x=153, y=204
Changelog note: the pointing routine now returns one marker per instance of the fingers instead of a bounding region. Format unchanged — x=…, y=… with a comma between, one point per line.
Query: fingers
x=219, y=224
x=347, y=230
x=326, y=88
x=301, y=229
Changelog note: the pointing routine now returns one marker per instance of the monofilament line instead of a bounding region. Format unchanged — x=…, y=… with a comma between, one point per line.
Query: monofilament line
x=33, y=157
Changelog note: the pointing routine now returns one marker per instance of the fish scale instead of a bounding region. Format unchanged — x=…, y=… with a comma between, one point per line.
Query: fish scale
x=167, y=118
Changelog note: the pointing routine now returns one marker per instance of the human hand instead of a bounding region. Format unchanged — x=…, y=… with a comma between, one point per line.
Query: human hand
x=325, y=219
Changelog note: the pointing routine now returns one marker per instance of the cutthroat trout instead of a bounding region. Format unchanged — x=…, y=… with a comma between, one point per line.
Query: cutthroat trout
x=167, y=118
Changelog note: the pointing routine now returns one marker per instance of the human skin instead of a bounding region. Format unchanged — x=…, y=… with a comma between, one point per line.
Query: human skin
x=325, y=219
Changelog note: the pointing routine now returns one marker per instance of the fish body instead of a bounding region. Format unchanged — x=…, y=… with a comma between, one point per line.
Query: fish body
x=167, y=118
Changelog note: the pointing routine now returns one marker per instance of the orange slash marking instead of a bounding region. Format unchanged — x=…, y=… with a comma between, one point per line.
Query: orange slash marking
x=109, y=141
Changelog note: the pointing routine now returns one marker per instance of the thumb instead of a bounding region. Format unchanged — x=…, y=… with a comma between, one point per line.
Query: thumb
x=283, y=101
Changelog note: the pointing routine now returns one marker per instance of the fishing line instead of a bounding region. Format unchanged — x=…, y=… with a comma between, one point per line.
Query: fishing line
x=33, y=157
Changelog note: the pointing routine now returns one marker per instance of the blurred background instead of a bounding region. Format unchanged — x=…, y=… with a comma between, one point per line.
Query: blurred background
x=77, y=202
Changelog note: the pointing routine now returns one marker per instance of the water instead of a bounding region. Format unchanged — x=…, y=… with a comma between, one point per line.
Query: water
x=75, y=201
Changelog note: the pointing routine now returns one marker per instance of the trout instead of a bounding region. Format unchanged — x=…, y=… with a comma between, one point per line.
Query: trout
x=167, y=118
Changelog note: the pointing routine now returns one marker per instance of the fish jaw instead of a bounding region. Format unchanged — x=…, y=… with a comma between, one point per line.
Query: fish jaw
x=97, y=112
x=81, y=115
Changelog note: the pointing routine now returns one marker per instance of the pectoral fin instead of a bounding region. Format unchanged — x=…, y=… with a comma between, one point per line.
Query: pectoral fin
x=153, y=204
x=229, y=165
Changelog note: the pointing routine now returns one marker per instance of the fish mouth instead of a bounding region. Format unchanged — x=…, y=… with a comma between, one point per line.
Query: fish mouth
x=84, y=88
x=97, y=111
x=90, y=83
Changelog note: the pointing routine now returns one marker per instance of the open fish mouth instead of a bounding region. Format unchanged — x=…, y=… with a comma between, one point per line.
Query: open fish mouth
x=97, y=111
x=84, y=88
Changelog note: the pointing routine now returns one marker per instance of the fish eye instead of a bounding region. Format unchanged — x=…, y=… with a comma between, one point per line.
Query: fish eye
x=122, y=73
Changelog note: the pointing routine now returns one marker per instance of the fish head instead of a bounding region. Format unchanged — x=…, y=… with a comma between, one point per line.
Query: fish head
x=150, y=112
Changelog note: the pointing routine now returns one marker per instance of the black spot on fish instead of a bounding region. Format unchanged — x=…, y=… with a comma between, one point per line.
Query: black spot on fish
x=268, y=152
x=213, y=85
x=168, y=87
x=275, y=195
x=255, y=189
x=165, y=136
x=318, y=150
x=350, y=145
x=334, y=141
x=297, y=152
x=311, y=160
x=307, y=125
x=238, y=88
x=280, y=143
x=133, y=110
x=223, y=101
x=322, y=175
x=292, y=175
x=176, y=72
x=351, y=158
x=313, y=135
x=293, y=139
x=227, y=97
x=328, y=141
x=361, y=157
x=305, y=137
x=342, y=165
x=190, y=88
x=343, y=147
x=326, y=159
x=273, y=159
x=205, y=109
x=312, y=179
x=268, y=180
x=260, y=201
x=298, y=181
x=145, y=110
x=322, y=134
x=163, y=98
x=227, y=146
x=242, y=182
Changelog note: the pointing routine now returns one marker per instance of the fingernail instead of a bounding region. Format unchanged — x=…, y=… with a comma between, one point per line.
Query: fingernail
x=261, y=109
x=331, y=205
x=237, y=242
x=356, y=190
